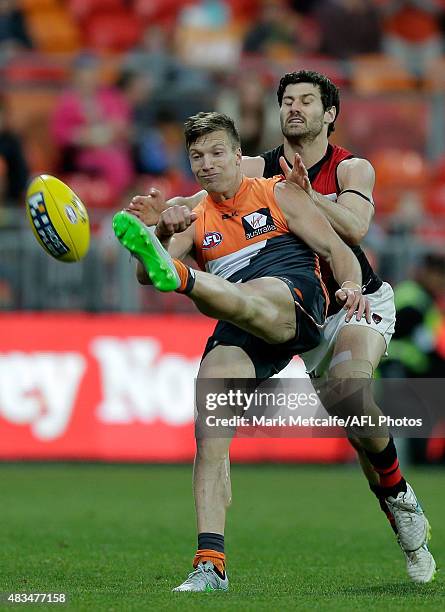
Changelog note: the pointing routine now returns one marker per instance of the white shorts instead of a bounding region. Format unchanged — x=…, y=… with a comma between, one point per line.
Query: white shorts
x=383, y=315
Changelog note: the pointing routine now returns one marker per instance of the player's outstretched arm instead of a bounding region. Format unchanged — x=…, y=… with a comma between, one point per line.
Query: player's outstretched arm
x=190, y=202
x=148, y=208
x=308, y=223
x=351, y=215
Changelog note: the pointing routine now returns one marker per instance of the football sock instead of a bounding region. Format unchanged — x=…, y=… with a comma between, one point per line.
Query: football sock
x=386, y=464
x=379, y=493
x=186, y=276
x=211, y=548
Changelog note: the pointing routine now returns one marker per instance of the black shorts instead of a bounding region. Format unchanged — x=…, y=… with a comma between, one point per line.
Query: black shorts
x=269, y=359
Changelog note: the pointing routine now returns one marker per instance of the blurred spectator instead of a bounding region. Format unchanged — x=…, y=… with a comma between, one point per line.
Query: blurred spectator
x=212, y=14
x=160, y=148
x=14, y=171
x=153, y=57
x=248, y=109
x=348, y=27
x=412, y=32
x=275, y=31
x=13, y=33
x=166, y=78
x=413, y=349
x=138, y=91
x=91, y=125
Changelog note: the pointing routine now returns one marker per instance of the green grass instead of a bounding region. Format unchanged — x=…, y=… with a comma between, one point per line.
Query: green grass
x=298, y=538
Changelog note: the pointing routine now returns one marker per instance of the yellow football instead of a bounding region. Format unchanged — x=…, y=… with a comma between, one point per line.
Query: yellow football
x=58, y=218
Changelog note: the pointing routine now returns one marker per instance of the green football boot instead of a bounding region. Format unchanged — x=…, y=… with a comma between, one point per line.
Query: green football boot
x=142, y=242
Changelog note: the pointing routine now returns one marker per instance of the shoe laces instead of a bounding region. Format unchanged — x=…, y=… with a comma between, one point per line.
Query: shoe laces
x=203, y=571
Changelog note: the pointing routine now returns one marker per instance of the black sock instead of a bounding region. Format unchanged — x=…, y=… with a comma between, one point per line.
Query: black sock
x=386, y=465
x=212, y=541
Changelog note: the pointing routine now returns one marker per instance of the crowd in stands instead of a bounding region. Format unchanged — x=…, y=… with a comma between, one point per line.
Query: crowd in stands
x=96, y=91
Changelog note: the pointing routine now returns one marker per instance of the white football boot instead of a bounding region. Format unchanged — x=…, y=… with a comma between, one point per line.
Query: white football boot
x=420, y=565
x=413, y=534
x=204, y=579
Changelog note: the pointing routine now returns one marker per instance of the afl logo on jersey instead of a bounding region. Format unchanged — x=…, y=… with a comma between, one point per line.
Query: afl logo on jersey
x=211, y=239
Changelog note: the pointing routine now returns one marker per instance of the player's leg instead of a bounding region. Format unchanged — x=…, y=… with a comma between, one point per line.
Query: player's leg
x=357, y=353
x=361, y=349
x=211, y=480
x=263, y=307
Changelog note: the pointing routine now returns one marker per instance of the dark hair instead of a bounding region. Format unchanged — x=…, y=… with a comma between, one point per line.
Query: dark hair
x=205, y=123
x=329, y=92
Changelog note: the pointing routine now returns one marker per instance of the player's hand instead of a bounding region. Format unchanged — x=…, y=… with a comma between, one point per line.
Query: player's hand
x=173, y=220
x=298, y=174
x=148, y=208
x=354, y=302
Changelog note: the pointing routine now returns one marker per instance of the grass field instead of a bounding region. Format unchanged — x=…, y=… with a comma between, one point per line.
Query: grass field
x=298, y=538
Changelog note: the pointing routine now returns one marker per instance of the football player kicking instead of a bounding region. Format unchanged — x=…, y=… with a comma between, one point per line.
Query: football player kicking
x=340, y=187
x=256, y=238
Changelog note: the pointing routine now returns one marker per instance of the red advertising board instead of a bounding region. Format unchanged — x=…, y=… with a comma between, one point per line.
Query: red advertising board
x=115, y=388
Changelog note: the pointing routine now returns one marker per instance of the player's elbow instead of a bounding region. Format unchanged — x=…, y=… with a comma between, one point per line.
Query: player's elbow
x=354, y=237
x=354, y=234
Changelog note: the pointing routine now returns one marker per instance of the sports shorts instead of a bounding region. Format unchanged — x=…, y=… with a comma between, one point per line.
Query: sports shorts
x=269, y=359
x=383, y=318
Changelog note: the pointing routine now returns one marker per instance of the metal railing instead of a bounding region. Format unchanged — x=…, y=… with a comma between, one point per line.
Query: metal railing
x=105, y=280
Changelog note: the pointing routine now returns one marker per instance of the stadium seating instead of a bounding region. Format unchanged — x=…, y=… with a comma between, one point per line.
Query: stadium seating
x=401, y=168
x=53, y=31
x=82, y=9
x=398, y=172
x=161, y=12
x=378, y=74
x=34, y=68
x=435, y=200
x=210, y=49
x=244, y=10
x=38, y=6
x=115, y=31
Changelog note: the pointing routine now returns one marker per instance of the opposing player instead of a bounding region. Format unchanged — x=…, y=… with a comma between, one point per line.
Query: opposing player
x=259, y=234
x=340, y=187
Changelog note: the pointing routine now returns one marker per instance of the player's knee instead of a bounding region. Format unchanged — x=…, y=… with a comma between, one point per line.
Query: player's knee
x=265, y=321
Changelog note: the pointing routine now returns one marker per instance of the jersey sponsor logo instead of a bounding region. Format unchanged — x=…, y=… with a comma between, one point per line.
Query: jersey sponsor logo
x=211, y=239
x=257, y=223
